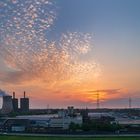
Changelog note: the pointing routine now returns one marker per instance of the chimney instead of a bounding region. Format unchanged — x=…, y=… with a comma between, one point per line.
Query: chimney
x=24, y=94
x=13, y=95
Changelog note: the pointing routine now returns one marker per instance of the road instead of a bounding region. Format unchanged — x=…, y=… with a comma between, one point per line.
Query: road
x=65, y=135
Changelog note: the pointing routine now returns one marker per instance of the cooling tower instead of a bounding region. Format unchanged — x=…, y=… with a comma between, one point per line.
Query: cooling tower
x=7, y=106
x=24, y=104
x=15, y=103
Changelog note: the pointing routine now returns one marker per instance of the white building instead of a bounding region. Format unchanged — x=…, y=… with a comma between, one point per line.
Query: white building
x=62, y=122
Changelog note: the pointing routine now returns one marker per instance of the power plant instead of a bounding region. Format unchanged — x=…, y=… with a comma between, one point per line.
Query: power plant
x=11, y=104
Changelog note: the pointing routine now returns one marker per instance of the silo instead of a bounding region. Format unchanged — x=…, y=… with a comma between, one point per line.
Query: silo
x=7, y=106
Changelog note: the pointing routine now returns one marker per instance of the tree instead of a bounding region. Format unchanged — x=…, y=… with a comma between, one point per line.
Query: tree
x=74, y=127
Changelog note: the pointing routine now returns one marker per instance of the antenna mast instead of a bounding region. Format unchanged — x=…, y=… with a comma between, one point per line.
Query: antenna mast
x=98, y=100
x=130, y=103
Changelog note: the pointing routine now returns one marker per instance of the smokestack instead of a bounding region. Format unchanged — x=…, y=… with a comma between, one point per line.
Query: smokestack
x=24, y=94
x=13, y=95
x=24, y=103
x=15, y=103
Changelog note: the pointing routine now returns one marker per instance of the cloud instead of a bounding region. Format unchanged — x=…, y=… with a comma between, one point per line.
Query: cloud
x=108, y=91
x=32, y=62
x=30, y=56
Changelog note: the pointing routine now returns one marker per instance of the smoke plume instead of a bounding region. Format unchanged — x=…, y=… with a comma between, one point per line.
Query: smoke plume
x=3, y=93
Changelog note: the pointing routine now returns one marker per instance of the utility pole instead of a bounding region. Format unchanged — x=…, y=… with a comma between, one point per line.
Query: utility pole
x=98, y=100
x=130, y=103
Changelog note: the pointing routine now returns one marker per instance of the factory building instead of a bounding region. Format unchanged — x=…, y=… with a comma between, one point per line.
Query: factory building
x=24, y=103
x=15, y=103
x=70, y=110
x=11, y=104
x=36, y=122
x=65, y=122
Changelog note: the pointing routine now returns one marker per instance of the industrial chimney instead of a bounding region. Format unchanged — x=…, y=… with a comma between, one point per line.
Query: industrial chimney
x=24, y=94
x=24, y=103
x=15, y=103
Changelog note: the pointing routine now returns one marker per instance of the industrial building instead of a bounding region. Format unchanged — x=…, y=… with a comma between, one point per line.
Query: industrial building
x=42, y=122
x=70, y=110
x=15, y=103
x=11, y=104
x=7, y=106
x=24, y=103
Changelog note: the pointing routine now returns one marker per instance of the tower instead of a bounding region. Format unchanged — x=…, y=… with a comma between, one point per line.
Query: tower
x=98, y=100
x=24, y=103
x=7, y=106
x=130, y=103
x=15, y=103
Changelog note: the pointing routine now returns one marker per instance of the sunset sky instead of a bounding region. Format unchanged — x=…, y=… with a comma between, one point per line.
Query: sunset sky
x=59, y=51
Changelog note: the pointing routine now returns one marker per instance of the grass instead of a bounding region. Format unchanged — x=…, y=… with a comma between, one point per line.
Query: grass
x=65, y=138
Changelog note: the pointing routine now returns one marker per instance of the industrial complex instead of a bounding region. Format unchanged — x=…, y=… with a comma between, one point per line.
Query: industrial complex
x=10, y=104
x=15, y=117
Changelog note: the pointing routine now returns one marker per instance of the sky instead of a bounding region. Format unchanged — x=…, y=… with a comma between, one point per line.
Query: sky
x=60, y=52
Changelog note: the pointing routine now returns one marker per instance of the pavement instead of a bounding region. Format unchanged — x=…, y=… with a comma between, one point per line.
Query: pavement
x=66, y=135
